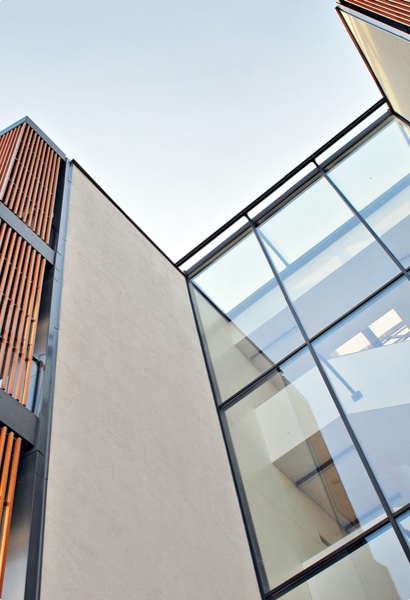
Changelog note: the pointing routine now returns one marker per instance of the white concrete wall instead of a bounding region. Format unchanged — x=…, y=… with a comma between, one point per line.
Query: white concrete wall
x=140, y=501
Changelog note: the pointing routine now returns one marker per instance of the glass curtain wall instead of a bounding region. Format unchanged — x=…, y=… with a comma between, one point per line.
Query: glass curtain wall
x=305, y=324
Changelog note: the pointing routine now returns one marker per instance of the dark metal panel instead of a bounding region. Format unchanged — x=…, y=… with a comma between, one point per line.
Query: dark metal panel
x=26, y=233
x=53, y=289
x=18, y=418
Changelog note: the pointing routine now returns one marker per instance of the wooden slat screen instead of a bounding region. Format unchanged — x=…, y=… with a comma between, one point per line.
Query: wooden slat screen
x=29, y=170
x=21, y=279
x=8, y=148
x=10, y=446
x=395, y=10
x=31, y=187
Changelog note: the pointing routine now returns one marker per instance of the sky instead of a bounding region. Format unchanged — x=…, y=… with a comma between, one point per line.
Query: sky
x=184, y=112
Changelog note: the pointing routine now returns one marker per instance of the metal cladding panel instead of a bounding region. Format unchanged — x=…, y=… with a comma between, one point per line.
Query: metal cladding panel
x=395, y=10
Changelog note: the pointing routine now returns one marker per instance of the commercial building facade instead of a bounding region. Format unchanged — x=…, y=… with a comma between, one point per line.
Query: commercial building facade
x=116, y=469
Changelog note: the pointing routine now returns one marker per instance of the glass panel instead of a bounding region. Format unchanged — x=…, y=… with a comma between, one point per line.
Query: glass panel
x=326, y=258
x=404, y=523
x=378, y=570
x=306, y=488
x=367, y=360
x=246, y=322
x=375, y=178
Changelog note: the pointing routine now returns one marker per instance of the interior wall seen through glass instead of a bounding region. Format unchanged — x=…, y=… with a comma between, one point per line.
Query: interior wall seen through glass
x=305, y=485
x=377, y=570
x=367, y=359
x=246, y=322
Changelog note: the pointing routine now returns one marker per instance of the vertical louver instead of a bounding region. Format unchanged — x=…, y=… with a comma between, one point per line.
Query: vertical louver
x=30, y=188
x=10, y=446
x=29, y=170
x=395, y=10
x=21, y=278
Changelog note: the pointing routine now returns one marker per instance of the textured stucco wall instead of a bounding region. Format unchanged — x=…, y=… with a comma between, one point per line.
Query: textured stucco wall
x=140, y=500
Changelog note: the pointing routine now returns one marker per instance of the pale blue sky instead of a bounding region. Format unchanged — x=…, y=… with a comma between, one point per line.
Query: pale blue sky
x=183, y=111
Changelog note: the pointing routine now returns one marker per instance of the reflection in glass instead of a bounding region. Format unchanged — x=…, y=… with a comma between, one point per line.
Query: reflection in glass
x=378, y=570
x=246, y=322
x=375, y=178
x=367, y=360
x=326, y=258
x=305, y=485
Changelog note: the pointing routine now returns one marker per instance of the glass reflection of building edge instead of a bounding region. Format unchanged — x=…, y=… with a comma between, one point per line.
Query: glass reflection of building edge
x=304, y=319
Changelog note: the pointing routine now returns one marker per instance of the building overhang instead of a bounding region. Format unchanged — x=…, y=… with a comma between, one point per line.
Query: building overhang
x=385, y=48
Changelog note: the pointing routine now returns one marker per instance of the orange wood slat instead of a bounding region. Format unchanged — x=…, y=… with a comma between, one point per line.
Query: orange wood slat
x=5, y=467
x=27, y=167
x=48, y=215
x=389, y=11
x=5, y=233
x=22, y=334
x=12, y=197
x=8, y=268
x=42, y=221
x=36, y=196
x=33, y=274
x=8, y=509
x=40, y=175
x=5, y=264
x=21, y=316
x=36, y=219
x=10, y=323
x=31, y=187
x=9, y=144
x=21, y=282
x=397, y=5
x=3, y=435
x=25, y=323
x=396, y=10
x=34, y=320
x=10, y=185
x=30, y=168
x=48, y=206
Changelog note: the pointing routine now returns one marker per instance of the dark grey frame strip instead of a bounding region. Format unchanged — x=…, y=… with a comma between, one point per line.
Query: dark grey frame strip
x=40, y=454
x=26, y=233
x=18, y=418
x=364, y=222
x=281, y=182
